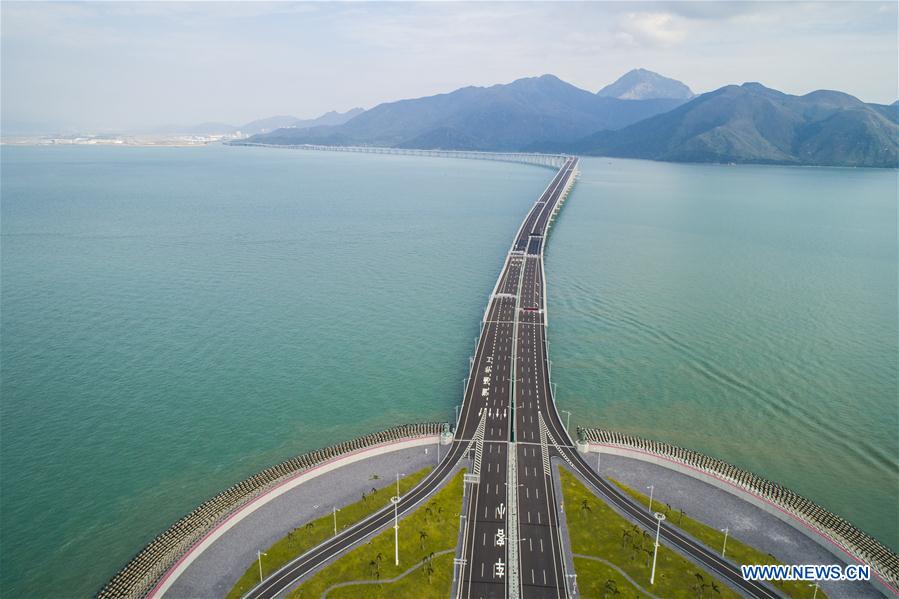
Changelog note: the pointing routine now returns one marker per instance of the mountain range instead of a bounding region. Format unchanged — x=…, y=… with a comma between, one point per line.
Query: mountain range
x=512, y=116
x=751, y=123
x=641, y=115
x=259, y=126
x=279, y=122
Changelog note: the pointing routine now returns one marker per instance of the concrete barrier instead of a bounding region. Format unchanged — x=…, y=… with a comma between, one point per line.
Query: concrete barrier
x=832, y=532
x=143, y=573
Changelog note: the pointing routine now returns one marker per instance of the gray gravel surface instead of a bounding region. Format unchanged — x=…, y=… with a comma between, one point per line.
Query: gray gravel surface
x=717, y=508
x=218, y=568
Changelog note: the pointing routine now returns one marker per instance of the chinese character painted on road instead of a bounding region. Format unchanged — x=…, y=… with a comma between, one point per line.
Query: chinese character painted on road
x=500, y=539
x=499, y=569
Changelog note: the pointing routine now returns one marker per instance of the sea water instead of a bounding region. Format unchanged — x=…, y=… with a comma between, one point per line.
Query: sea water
x=175, y=319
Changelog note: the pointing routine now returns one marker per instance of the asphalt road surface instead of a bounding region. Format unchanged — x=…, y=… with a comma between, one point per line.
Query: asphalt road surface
x=510, y=403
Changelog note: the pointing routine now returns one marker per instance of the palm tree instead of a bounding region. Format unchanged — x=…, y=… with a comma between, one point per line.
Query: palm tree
x=625, y=537
x=585, y=506
x=700, y=584
x=372, y=567
x=422, y=535
x=610, y=588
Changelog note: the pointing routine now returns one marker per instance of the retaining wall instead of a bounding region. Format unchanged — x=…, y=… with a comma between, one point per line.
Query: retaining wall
x=833, y=532
x=141, y=574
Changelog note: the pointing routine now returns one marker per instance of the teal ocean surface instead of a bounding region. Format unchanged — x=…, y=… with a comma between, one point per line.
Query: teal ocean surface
x=174, y=319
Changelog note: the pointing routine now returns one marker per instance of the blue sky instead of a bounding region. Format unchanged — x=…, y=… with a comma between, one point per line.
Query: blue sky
x=131, y=65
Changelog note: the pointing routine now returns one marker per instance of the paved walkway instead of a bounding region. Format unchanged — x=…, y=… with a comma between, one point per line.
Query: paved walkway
x=619, y=570
x=217, y=569
x=386, y=580
x=717, y=508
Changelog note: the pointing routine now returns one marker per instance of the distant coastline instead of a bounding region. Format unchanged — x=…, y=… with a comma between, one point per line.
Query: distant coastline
x=169, y=141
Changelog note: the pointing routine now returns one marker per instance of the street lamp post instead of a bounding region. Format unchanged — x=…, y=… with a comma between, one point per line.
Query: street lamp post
x=567, y=420
x=259, y=555
x=398, y=474
x=652, y=489
x=396, y=529
x=334, y=511
x=815, y=594
x=659, y=517
x=724, y=547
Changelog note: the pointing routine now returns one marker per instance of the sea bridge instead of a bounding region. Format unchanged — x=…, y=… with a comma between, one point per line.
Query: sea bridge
x=509, y=426
x=554, y=161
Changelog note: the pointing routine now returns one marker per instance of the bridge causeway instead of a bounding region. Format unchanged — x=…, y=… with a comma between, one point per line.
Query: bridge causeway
x=553, y=161
x=509, y=418
x=514, y=500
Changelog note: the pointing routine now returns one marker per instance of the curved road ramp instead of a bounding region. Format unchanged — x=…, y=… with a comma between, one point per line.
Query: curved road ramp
x=142, y=574
x=829, y=530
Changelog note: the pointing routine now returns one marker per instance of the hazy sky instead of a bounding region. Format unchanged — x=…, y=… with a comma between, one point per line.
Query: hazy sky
x=127, y=65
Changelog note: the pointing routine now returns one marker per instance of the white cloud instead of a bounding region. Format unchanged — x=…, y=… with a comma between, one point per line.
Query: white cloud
x=658, y=28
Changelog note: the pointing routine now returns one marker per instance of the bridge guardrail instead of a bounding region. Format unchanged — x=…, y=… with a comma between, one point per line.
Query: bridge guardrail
x=861, y=546
x=140, y=574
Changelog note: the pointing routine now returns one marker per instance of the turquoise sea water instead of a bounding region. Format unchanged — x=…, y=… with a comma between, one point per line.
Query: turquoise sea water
x=748, y=312
x=173, y=320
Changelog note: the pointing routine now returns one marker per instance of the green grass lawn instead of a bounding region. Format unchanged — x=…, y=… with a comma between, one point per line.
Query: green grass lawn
x=736, y=551
x=595, y=579
x=302, y=539
x=416, y=584
x=595, y=529
x=432, y=528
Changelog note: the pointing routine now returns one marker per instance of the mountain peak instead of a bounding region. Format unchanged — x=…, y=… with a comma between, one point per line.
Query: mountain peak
x=541, y=80
x=641, y=84
x=755, y=86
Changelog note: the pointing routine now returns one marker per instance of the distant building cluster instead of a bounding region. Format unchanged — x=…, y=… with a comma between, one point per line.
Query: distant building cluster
x=122, y=140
